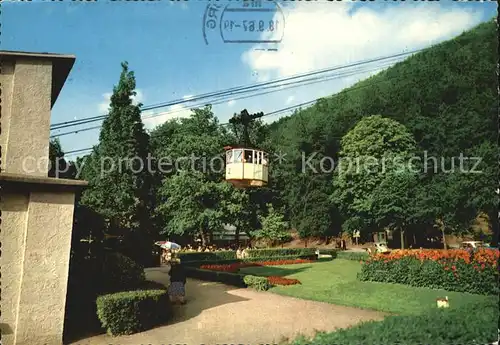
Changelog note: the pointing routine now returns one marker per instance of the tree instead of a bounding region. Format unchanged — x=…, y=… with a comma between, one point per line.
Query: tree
x=273, y=227
x=59, y=167
x=394, y=201
x=195, y=206
x=374, y=154
x=193, y=198
x=119, y=181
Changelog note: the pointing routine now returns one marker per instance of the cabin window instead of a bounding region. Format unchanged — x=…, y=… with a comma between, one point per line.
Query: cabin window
x=264, y=159
x=229, y=156
x=260, y=157
x=248, y=156
x=238, y=156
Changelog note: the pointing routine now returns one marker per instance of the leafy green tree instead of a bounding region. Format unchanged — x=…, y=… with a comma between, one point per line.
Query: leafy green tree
x=119, y=181
x=374, y=154
x=273, y=227
x=59, y=167
x=193, y=198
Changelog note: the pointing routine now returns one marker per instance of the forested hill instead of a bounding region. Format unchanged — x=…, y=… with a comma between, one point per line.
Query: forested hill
x=446, y=96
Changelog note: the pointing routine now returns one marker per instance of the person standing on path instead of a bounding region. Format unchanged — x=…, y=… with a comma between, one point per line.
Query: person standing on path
x=177, y=288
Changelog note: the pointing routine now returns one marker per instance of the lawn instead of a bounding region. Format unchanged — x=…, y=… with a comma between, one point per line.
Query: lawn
x=335, y=282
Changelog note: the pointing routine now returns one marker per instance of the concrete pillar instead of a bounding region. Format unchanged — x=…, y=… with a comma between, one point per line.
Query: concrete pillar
x=37, y=211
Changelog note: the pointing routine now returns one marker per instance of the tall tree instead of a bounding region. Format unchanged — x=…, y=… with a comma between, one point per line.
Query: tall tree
x=59, y=166
x=193, y=198
x=374, y=153
x=117, y=170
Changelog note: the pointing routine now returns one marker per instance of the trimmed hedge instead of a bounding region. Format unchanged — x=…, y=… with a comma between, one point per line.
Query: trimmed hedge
x=133, y=311
x=356, y=256
x=473, y=324
x=120, y=273
x=453, y=270
x=332, y=252
x=278, y=252
x=208, y=256
x=234, y=279
x=256, y=282
x=228, y=262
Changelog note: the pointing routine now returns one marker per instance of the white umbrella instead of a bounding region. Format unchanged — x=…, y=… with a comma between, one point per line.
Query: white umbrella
x=168, y=245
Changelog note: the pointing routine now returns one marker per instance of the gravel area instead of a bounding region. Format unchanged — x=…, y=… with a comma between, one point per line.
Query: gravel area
x=219, y=314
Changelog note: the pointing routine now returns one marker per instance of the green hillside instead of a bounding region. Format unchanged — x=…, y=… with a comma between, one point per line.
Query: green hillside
x=446, y=96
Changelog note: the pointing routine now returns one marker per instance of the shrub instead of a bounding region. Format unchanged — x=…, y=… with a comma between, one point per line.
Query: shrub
x=208, y=256
x=332, y=252
x=356, y=256
x=257, y=283
x=236, y=266
x=273, y=252
x=276, y=280
x=453, y=270
x=257, y=259
x=473, y=324
x=133, y=311
x=216, y=276
x=120, y=273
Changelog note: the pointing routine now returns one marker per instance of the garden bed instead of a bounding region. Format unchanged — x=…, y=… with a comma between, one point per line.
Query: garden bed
x=229, y=274
x=453, y=270
x=233, y=268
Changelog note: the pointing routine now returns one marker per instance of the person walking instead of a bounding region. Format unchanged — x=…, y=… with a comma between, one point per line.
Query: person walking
x=177, y=288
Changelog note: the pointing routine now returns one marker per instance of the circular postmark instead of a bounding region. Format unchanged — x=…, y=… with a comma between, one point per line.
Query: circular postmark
x=259, y=22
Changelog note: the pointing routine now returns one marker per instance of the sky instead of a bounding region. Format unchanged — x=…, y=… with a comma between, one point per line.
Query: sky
x=176, y=51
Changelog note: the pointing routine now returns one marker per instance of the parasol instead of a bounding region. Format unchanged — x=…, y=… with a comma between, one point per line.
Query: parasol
x=168, y=245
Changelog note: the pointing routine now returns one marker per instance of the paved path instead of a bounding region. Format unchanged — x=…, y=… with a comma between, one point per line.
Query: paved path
x=220, y=314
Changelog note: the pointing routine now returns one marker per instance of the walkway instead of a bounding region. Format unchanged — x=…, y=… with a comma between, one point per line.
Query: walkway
x=220, y=314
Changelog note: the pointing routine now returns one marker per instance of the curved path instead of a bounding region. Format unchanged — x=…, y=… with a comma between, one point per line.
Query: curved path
x=219, y=314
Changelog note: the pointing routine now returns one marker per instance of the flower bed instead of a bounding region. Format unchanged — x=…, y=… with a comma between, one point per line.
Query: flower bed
x=276, y=280
x=454, y=270
x=233, y=268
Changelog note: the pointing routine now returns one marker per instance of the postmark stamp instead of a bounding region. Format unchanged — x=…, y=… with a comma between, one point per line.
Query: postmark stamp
x=249, y=21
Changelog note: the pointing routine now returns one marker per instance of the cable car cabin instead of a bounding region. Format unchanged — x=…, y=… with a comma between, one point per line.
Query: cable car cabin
x=246, y=167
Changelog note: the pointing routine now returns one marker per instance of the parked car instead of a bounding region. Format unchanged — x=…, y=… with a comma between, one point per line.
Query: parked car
x=473, y=245
x=378, y=247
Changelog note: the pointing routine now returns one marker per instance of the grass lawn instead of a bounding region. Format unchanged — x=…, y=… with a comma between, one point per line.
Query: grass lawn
x=335, y=282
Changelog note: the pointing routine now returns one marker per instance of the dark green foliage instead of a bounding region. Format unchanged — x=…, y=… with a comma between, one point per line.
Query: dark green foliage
x=133, y=311
x=356, y=256
x=473, y=324
x=333, y=252
x=193, y=199
x=270, y=254
x=445, y=96
x=118, y=188
x=59, y=167
x=234, y=279
x=431, y=274
x=362, y=179
x=257, y=283
x=121, y=273
x=251, y=259
x=208, y=256
x=273, y=227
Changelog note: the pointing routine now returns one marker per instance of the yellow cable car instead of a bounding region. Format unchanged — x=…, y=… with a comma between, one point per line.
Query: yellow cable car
x=246, y=167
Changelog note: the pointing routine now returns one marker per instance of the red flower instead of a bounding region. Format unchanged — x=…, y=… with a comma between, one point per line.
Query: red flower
x=275, y=280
